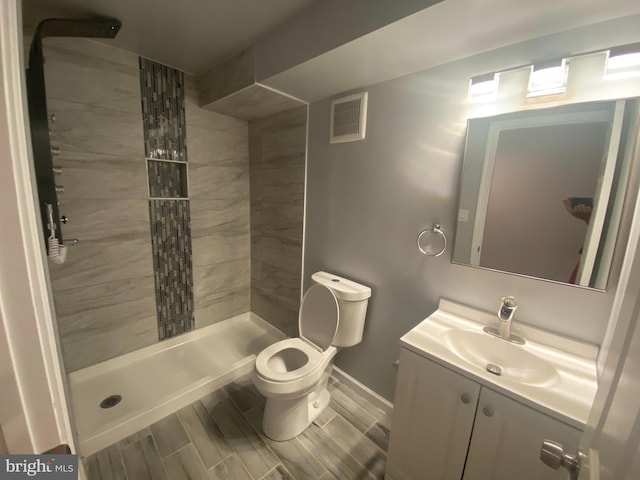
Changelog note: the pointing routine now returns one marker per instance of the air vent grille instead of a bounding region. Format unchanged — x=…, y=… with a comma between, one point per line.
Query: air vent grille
x=348, y=118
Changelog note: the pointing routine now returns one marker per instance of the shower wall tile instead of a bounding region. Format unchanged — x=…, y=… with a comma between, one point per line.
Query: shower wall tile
x=102, y=176
x=99, y=220
x=108, y=305
x=215, y=181
x=277, y=150
x=112, y=342
x=219, y=198
x=103, y=306
x=73, y=67
x=211, y=121
x=77, y=301
x=91, y=263
x=163, y=111
x=173, y=269
x=215, y=217
x=216, y=248
x=213, y=307
x=87, y=128
x=164, y=123
x=227, y=275
x=227, y=146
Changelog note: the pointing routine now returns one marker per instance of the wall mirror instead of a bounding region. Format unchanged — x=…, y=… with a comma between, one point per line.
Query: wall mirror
x=542, y=191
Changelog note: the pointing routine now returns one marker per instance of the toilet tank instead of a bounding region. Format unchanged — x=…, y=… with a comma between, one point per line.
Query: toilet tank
x=352, y=303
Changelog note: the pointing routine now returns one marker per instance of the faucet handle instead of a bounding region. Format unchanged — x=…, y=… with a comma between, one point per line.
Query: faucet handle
x=507, y=308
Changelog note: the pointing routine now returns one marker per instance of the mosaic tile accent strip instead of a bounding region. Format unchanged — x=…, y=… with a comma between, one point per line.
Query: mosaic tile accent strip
x=167, y=179
x=164, y=127
x=163, y=111
x=172, y=265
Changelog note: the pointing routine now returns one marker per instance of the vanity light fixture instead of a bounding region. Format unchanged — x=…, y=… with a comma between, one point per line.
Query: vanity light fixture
x=483, y=88
x=623, y=62
x=548, y=78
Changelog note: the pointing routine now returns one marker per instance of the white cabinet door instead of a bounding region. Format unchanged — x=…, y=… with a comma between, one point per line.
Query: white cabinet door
x=432, y=421
x=506, y=441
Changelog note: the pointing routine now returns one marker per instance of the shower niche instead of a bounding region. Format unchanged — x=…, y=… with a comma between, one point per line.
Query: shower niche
x=168, y=179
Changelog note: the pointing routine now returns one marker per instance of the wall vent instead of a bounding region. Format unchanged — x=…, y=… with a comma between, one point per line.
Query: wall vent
x=348, y=118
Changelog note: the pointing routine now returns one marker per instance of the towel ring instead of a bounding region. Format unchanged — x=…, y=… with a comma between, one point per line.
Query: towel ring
x=430, y=232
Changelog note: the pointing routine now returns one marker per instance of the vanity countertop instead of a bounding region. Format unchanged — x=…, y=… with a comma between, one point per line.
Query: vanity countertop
x=566, y=394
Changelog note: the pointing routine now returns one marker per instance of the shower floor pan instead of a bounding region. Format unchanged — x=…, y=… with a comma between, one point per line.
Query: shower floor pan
x=162, y=378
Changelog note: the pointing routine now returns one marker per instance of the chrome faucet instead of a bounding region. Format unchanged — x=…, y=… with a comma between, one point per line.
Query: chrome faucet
x=506, y=312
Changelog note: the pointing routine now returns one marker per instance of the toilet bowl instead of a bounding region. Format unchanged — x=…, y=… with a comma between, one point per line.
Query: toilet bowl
x=293, y=373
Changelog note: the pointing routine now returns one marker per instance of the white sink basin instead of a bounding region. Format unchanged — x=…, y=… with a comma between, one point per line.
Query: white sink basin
x=516, y=364
x=551, y=373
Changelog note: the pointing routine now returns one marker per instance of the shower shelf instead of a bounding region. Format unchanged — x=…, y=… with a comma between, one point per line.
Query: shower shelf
x=168, y=180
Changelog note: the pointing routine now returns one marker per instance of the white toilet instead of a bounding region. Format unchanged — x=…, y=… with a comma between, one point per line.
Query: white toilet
x=293, y=373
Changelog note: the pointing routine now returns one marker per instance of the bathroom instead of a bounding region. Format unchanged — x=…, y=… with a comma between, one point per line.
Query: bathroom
x=365, y=203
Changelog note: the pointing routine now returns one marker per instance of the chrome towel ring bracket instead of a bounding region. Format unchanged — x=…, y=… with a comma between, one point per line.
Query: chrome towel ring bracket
x=430, y=238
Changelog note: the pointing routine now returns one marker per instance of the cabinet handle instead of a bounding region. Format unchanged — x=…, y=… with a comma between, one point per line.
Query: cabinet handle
x=488, y=411
x=466, y=398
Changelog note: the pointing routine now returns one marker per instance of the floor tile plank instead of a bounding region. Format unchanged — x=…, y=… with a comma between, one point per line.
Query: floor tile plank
x=229, y=469
x=332, y=455
x=185, y=464
x=108, y=464
x=349, y=408
x=365, y=404
x=169, y=435
x=279, y=473
x=205, y=434
x=379, y=434
x=134, y=438
x=142, y=461
x=252, y=451
x=326, y=416
x=358, y=446
x=244, y=394
x=294, y=455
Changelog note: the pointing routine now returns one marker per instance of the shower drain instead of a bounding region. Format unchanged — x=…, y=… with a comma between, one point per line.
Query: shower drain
x=111, y=401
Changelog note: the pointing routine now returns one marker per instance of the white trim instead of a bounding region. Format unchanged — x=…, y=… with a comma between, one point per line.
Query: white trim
x=365, y=392
x=304, y=204
x=170, y=198
x=25, y=300
x=601, y=199
x=280, y=92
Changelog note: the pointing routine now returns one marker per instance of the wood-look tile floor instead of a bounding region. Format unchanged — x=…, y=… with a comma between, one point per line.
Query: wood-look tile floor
x=220, y=437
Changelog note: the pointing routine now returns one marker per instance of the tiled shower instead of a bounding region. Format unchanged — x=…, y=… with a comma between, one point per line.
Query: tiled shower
x=178, y=225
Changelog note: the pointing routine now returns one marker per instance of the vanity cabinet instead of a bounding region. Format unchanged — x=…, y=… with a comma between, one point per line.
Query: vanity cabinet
x=448, y=427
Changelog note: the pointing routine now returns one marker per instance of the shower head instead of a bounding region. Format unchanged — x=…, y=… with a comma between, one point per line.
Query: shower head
x=68, y=27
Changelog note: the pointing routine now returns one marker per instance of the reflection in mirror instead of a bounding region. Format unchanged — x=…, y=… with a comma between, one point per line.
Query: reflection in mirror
x=542, y=191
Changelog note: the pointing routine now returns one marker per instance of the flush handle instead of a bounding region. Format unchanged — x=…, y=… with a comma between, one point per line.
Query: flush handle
x=552, y=454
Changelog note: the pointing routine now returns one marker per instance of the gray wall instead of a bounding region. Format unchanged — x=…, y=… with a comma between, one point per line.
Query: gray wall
x=277, y=148
x=366, y=202
x=104, y=294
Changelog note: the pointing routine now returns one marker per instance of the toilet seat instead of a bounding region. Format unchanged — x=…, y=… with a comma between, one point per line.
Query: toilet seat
x=314, y=360
x=318, y=323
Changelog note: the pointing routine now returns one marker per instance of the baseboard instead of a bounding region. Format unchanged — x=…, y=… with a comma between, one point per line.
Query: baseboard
x=376, y=400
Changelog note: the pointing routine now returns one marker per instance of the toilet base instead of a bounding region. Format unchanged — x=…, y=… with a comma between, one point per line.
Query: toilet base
x=285, y=419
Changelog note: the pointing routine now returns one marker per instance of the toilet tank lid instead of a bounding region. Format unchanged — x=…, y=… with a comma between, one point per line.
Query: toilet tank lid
x=342, y=288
